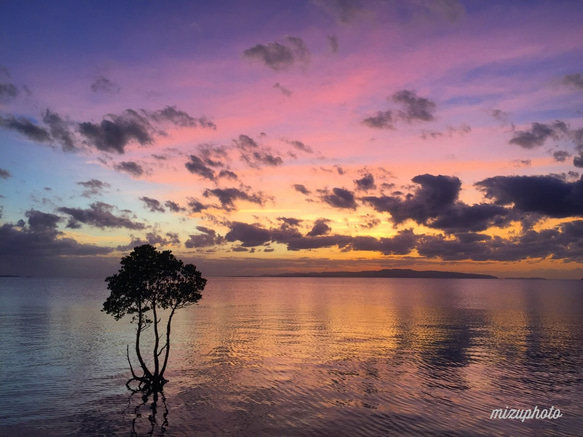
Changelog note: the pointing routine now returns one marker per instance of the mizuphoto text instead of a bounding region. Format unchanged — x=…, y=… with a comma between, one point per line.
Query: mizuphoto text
x=526, y=414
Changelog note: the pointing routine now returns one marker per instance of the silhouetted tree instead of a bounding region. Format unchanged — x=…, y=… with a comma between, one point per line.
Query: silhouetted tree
x=148, y=285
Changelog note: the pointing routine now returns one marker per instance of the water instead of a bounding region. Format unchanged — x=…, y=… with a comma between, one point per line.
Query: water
x=301, y=356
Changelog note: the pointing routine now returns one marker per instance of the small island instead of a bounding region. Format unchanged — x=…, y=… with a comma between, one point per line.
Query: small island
x=385, y=273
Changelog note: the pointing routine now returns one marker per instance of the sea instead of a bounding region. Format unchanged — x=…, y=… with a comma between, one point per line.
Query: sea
x=302, y=357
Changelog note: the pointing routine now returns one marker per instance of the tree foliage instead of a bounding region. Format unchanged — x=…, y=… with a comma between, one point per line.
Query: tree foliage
x=148, y=285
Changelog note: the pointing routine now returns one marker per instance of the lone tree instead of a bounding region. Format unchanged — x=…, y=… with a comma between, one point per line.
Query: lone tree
x=151, y=284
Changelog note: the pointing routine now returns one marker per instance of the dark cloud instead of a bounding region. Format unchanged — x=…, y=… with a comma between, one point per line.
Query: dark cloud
x=41, y=238
x=93, y=187
x=561, y=155
x=4, y=174
x=300, y=146
x=365, y=183
x=573, y=81
x=546, y=195
x=181, y=118
x=130, y=167
x=104, y=85
x=462, y=129
x=8, y=92
x=248, y=235
x=578, y=160
x=344, y=11
x=228, y=174
x=400, y=244
x=153, y=205
x=320, y=228
x=283, y=90
x=99, y=214
x=228, y=196
x=340, y=198
x=382, y=120
x=435, y=205
x=115, y=132
x=539, y=133
x=196, y=206
x=206, y=238
x=61, y=130
x=196, y=166
x=500, y=115
x=279, y=56
x=301, y=188
x=25, y=127
x=414, y=108
x=41, y=222
x=245, y=142
x=563, y=242
x=521, y=163
x=333, y=43
x=254, y=155
x=173, y=206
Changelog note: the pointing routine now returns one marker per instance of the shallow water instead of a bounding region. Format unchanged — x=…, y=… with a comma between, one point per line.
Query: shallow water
x=301, y=356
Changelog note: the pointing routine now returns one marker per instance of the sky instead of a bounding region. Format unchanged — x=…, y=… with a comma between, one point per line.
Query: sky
x=266, y=137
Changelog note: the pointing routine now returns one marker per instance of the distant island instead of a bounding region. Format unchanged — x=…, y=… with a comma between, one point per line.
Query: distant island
x=385, y=273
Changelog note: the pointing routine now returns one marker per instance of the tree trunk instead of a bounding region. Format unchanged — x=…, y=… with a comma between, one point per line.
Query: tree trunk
x=167, y=342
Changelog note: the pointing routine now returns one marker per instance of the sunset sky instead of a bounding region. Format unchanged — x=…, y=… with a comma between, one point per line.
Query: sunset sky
x=258, y=137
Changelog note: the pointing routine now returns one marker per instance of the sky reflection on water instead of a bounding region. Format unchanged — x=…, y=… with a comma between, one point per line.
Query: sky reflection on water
x=266, y=356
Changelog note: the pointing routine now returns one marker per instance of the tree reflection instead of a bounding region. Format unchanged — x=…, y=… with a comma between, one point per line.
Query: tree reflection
x=148, y=419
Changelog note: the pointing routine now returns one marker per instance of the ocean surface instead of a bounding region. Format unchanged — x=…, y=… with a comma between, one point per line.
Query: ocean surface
x=300, y=357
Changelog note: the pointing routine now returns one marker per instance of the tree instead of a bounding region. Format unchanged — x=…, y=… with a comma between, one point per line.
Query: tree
x=149, y=285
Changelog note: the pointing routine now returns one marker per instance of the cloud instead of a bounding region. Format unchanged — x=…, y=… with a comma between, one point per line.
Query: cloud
x=300, y=146
x=539, y=133
x=115, y=132
x=254, y=155
x=206, y=238
x=99, y=215
x=196, y=166
x=333, y=43
x=181, y=118
x=25, y=127
x=131, y=167
x=320, y=228
x=301, y=188
x=41, y=238
x=413, y=109
x=248, y=235
x=196, y=206
x=283, y=90
x=546, y=195
x=152, y=204
x=561, y=155
x=382, y=120
x=500, y=115
x=8, y=92
x=228, y=196
x=345, y=11
x=173, y=206
x=564, y=242
x=462, y=129
x=93, y=187
x=573, y=81
x=280, y=56
x=61, y=130
x=365, y=183
x=435, y=204
x=104, y=85
x=578, y=160
x=4, y=174
x=339, y=198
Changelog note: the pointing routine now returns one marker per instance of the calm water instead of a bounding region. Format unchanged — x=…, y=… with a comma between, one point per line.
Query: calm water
x=312, y=357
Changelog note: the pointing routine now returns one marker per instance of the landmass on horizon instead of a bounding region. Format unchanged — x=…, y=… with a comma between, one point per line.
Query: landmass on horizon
x=384, y=273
